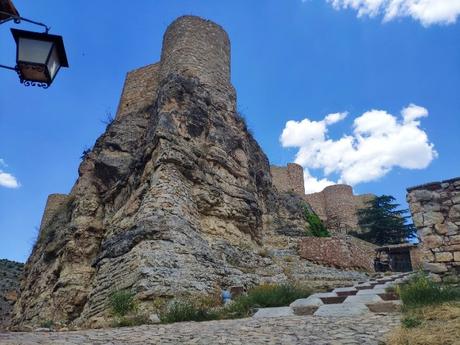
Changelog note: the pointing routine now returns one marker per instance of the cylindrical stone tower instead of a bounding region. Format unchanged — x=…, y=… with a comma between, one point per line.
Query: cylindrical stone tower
x=340, y=210
x=197, y=47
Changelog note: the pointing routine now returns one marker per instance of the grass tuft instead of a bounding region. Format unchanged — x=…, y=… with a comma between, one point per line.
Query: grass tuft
x=209, y=308
x=431, y=313
x=187, y=310
x=421, y=291
x=430, y=325
x=122, y=302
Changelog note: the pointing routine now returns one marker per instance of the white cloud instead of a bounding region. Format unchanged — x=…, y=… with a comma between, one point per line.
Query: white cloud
x=7, y=180
x=312, y=184
x=378, y=143
x=428, y=12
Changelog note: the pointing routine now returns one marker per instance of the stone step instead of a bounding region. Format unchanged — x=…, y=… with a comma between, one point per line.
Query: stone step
x=370, y=292
x=274, y=312
x=306, y=306
x=385, y=306
x=365, y=299
x=342, y=310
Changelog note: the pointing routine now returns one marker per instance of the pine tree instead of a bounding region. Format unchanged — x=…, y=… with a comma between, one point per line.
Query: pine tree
x=383, y=223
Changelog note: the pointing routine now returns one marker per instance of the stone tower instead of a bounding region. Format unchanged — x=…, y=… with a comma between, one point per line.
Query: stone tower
x=175, y=197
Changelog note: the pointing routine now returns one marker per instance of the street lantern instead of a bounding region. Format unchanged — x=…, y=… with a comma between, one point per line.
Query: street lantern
x=39, y=56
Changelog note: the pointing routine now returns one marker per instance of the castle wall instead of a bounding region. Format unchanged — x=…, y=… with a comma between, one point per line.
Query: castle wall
x=336, y=205
x=340, y=208
x=318, y=204
x=340, y=252
x=288, y=179
x=53, y=204
x=139, y=90
x=435, y=209
x=190, y=46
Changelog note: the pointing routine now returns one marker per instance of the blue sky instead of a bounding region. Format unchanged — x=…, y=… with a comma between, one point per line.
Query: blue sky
x=291, y=60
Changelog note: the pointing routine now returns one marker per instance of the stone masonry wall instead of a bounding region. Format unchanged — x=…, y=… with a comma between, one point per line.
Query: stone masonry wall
x=193, y=46
x=53, y=204
x=139, y=90
x=435, y=209
x=288, y=179
x=340, y=252
x=337, y=206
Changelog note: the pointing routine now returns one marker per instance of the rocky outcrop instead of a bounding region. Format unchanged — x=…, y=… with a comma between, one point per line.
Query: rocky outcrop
x=10, y=272
x=176, y=197
x=435, y=209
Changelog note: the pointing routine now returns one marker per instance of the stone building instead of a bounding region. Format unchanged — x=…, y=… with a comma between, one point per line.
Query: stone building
x=435, y=209
x=335, y=205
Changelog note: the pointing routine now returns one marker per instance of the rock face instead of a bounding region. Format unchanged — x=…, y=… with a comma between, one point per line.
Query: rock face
x=10, y=272
x=435, y=209
x=176, y=197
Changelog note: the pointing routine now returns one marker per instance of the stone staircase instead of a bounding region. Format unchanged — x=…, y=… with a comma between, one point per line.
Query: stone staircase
x=356, y=300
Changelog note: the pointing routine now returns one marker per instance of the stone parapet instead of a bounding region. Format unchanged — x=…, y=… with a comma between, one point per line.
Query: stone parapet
x=435, y=209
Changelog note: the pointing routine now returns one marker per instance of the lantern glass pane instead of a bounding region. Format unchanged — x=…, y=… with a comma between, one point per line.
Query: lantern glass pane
x=35, y=51
x=53, y=63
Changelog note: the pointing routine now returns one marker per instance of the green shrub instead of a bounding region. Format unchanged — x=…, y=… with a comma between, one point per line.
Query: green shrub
x=411, y=321
x=209, y=308
x=264, y=296
x=187, y=310
x=317, y=228
x=122, y=302
x=47, y=324
x=420, y=290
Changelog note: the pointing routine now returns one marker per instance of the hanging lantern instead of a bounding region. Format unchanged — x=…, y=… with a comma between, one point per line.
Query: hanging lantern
x=39, y=56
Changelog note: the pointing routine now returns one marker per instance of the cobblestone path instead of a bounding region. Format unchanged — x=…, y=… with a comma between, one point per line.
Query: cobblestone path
x=305, y=330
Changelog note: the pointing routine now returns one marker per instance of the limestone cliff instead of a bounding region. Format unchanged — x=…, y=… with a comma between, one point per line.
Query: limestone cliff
x=10, y=272
x=176, y=197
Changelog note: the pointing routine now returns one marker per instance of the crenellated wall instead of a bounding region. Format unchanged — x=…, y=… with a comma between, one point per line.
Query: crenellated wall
x=435, y=209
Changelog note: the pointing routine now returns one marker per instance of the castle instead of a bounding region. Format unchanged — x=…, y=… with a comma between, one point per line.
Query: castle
x=336, y=205
x=175, y=198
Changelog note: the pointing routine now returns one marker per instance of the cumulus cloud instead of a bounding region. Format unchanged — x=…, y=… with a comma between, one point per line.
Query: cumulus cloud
x=428, y=12
x=7, y=180
x=378, y=142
